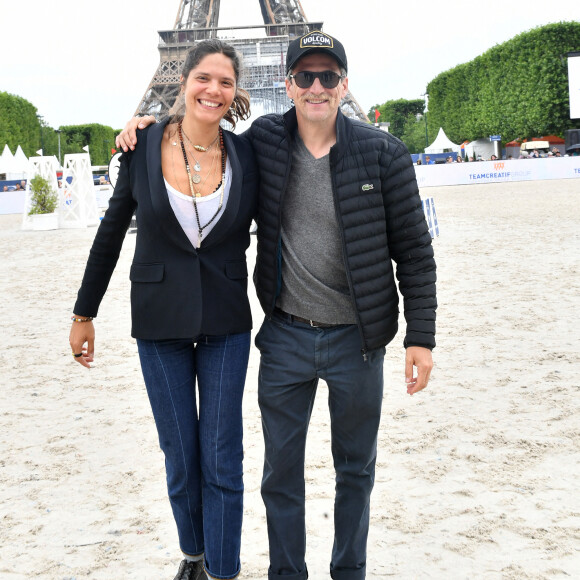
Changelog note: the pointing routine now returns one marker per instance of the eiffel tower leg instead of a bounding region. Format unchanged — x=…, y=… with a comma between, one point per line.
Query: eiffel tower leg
x=158, y=99
x=350, y=107
x=280, y=11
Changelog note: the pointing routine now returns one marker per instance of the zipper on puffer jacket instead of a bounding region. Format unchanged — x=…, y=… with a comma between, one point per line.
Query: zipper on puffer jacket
x=364, y=349
x=278, y=264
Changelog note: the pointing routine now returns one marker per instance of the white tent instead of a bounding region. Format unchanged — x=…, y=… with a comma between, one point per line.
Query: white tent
x=14, y=166
x=6, y=160
x=442, y=144
x=20, y=162
x=480, y=148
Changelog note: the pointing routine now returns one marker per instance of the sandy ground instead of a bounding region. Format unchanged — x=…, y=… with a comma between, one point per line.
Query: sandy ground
x=477, y=476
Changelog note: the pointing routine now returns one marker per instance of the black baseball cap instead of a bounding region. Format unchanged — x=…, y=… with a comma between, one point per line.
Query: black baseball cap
x=315, y=41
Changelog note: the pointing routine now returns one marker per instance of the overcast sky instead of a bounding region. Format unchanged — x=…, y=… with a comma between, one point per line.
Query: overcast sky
x=79, y=61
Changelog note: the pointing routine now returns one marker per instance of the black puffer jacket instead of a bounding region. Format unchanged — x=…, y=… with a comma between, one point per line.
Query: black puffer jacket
x=379, y=210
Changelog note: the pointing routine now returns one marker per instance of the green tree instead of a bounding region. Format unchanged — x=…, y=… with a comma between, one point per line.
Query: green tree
x=518, y=89
x=43, y=199
x=99, y=138
x=414, y=134
x=397, y=113
x=19, y=124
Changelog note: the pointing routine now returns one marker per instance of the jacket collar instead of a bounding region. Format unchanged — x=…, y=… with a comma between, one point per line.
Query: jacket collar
x=157, y=190
x=223, y=226
x=343, y=131
x=291, y=121
x=343, y=135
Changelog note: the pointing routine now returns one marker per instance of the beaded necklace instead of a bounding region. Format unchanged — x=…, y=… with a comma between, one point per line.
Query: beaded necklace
x=194, y=195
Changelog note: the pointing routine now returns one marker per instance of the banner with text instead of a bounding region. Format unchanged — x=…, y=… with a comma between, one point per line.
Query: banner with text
x=498, y=171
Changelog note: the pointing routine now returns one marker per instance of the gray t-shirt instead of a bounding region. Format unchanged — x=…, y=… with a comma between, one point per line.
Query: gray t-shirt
x=314, y=283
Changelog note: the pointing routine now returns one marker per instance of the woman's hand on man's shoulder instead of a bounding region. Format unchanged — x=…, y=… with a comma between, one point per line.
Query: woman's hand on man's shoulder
x=127, y=138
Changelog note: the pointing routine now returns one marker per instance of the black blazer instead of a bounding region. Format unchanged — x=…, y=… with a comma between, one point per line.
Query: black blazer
x=177, y=291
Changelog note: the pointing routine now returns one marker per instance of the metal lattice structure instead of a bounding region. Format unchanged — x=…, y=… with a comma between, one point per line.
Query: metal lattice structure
x=276, y=11
x=263, y=48
x=78, y=205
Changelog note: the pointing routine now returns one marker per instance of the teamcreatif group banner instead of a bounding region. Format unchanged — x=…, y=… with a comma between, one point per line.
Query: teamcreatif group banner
x=498, y=171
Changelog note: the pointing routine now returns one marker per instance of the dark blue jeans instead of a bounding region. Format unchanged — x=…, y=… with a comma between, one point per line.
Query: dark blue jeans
x=294, y=357
x=203, y=448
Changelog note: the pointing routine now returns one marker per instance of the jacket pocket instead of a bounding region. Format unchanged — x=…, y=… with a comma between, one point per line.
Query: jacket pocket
x=237, y=270
x=146, y=272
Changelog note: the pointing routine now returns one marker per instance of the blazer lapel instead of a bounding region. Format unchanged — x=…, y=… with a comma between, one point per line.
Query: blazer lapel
x=223, y=225
x=158, y=190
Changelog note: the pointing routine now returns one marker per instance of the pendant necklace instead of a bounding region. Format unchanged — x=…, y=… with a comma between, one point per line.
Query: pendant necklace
x=196, y=177
x=200, y=148
x=194, y=195
x=197, y=167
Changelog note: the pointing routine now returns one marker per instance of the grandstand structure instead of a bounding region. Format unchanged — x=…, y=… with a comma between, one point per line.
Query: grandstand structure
x=263, y=48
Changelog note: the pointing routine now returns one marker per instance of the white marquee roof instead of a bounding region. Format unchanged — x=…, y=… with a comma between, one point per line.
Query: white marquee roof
x=6, y=160
x=442, y=144
x=20, y=162
x=14, y=166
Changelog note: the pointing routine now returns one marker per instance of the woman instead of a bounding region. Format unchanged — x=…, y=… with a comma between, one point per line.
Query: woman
x=192, y=187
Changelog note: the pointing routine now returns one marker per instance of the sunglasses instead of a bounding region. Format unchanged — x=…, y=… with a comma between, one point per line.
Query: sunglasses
x=305, y=78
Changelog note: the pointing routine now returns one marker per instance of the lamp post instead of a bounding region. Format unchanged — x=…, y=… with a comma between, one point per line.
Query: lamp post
x=426, y=97
x=39, y=117
x=58, y=133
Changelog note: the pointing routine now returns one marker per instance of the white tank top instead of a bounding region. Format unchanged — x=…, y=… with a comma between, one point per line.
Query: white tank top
x=184, y=211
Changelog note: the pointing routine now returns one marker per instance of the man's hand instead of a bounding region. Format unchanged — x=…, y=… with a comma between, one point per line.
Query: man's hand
x=127, y=138
x=417, y=356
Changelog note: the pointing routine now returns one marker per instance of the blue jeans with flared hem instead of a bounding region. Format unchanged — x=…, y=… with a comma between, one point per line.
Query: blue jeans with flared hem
x=294, y=356
x=203, y=448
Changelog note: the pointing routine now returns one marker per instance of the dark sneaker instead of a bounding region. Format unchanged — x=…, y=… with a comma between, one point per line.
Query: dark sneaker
x=190, y=571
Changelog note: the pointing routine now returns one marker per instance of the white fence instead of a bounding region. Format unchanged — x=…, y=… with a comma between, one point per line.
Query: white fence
x=427, y=176
x=498, y=171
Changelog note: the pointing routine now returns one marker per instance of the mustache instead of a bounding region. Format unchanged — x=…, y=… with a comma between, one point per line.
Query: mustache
x=315, y=97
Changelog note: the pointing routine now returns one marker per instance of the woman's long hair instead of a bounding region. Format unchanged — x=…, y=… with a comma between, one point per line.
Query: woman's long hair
x=240, y=108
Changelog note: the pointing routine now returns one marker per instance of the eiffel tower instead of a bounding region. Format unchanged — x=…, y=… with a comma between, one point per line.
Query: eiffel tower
x=263, y=48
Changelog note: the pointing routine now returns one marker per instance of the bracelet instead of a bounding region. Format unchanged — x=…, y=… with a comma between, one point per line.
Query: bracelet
x=87, y=319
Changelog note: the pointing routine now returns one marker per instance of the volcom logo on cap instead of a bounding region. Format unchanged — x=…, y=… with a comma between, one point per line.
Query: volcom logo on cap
x=316, y=39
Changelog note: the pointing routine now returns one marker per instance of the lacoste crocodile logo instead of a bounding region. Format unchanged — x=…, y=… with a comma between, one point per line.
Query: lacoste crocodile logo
x=367, y=186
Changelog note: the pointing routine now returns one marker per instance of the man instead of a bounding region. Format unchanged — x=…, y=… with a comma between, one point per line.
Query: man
x=338, y=204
